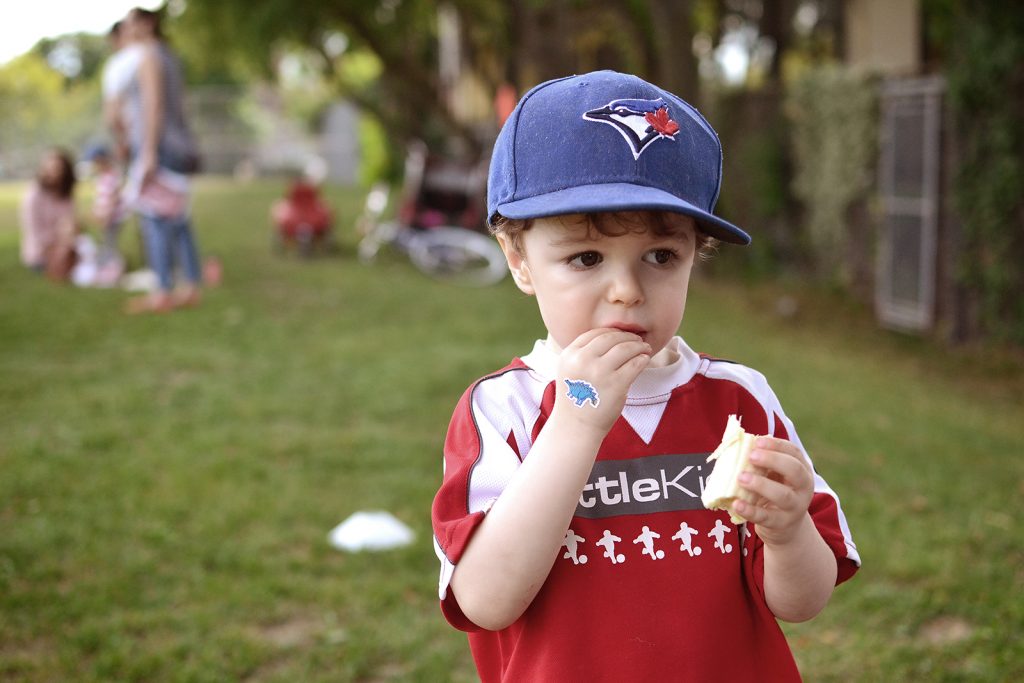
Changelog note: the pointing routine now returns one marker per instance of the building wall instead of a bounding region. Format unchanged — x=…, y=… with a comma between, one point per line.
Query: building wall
x=884, y=36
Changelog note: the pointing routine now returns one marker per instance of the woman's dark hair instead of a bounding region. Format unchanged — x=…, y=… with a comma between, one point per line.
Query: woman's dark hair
x=63, y=186
x=150, y=17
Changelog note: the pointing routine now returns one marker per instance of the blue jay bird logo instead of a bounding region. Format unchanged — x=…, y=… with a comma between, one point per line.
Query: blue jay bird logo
x=640, y=122
x=581, y=392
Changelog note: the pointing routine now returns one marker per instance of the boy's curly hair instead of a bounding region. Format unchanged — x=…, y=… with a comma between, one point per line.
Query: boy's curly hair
x=610, y=224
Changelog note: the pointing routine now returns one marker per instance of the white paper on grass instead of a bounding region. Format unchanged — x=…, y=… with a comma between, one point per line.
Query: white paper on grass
x=370, y=531
x=140, y=281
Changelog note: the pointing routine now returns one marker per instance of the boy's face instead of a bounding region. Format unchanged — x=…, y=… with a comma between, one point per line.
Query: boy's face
x=584, y=280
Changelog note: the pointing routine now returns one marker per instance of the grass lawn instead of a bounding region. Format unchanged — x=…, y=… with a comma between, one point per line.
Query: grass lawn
x=168, y=482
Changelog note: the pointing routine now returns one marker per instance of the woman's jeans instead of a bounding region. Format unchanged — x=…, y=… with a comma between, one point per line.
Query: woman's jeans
x=170, y=241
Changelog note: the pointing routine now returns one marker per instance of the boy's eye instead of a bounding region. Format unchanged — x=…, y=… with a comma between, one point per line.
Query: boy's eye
x=659, y=256
x=587, y=259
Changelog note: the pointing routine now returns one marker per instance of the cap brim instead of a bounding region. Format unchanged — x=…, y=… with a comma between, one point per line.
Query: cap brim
x=618, y=197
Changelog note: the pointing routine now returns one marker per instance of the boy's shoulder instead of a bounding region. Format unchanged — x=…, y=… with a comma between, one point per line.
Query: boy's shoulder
x=716, y=367
x=508, y=388
x=722, y=364
x=540, y=363
x=503, y=376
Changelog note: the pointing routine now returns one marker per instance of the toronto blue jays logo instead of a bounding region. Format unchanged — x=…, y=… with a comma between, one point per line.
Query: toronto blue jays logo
x=581, y=391
x=640, y=122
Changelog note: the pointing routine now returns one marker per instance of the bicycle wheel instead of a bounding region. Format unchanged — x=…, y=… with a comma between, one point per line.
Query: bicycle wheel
x=379, y=235
x=458, y=255
x=374, y=234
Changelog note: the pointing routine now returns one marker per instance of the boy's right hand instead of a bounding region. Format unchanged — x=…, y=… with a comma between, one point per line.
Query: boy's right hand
x=595, y=372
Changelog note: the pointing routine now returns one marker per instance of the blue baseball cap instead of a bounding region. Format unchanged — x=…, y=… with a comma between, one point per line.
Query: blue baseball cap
x=96, y=150
x=607, y=141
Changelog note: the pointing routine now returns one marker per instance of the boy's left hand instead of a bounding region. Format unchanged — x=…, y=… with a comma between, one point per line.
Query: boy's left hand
x=782, y=494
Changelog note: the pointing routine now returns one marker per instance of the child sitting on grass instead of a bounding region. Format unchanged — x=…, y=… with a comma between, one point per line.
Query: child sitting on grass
x=572, y=538
x=49, y=224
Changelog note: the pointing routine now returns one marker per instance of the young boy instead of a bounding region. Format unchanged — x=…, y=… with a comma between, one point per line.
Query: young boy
x=572, y=538
x=107, y=208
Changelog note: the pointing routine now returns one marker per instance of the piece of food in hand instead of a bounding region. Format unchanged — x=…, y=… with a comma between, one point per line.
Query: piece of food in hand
x=732, y=457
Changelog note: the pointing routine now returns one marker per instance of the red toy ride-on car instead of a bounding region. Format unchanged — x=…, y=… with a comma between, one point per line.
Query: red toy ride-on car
x=302, y=220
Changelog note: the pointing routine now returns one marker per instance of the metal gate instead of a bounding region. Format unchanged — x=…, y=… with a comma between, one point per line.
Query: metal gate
x=909, y=185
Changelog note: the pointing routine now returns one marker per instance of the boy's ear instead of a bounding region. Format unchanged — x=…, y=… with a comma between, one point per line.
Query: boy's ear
x=517, y=265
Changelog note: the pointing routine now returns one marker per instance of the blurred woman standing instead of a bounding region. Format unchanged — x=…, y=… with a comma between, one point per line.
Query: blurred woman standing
x=163, y=153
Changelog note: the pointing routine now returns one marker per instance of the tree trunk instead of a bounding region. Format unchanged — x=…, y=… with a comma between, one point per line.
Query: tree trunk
x=777, y=23
x=544, y=45
x=676, y=65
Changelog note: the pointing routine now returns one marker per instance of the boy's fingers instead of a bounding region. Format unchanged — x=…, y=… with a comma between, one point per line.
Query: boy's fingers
x=608, y=337
x=584, y=339
x=778, y=494
x=623, y=352
x=772, y=443
x=599, y=342
x=763, y=517
x=791, y=467
x=749, y=511
x=783, y=463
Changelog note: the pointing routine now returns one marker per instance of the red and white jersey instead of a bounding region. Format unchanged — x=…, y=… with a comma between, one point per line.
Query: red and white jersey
x=107, y=207
x=648, y=585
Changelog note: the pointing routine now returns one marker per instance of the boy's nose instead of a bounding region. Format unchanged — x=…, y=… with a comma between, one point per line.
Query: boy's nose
x=624, y=288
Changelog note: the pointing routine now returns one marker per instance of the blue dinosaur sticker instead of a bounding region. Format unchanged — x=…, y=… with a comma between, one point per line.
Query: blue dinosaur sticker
x=581, y=391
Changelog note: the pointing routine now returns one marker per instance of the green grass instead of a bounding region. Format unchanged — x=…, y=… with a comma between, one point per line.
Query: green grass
x=168, y=482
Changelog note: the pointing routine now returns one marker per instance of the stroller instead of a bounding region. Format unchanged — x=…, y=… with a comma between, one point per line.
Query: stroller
x=440, y=223
x=441, y=191
x=302, y=220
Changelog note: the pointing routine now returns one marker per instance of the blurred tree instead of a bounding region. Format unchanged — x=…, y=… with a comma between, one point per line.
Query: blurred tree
x=776, y=25
x=42, y=107
x=981, y=47
x=77, y=56
x=402, y=36
x=29, y=89
x=521, y=42
x=675, y=65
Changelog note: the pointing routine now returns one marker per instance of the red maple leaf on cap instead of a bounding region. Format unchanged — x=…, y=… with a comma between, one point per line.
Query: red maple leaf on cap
x=661, y=122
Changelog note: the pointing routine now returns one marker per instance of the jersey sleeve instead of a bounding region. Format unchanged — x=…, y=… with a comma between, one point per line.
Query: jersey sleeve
x=825, y=509
x=479, y=461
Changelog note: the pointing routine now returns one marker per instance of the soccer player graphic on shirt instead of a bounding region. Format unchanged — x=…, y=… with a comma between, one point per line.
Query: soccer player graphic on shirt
x=647, y=538
x=571, y=545
x=608, y=541
x=744, y=535
x=685, y=537
x=718, y=533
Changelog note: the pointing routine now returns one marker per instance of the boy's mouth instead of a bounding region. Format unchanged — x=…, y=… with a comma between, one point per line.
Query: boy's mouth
x=634, y=329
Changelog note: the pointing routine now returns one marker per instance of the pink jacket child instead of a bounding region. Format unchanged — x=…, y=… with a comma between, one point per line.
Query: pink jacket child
x=48, y=223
